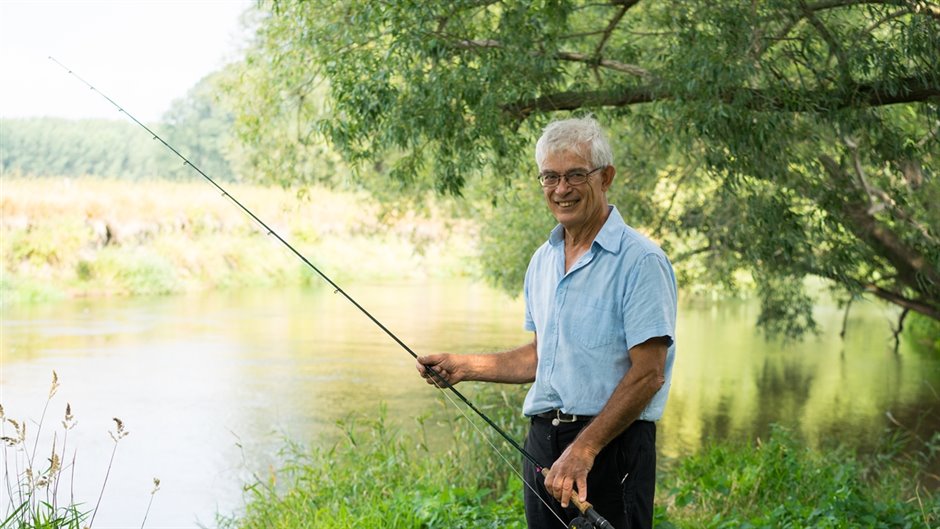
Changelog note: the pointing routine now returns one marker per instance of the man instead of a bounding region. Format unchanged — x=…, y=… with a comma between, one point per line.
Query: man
x=601, y=302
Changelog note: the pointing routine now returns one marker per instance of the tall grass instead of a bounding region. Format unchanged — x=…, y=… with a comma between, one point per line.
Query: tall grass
x=32, y=482
x=780, y=483
x=375, y=476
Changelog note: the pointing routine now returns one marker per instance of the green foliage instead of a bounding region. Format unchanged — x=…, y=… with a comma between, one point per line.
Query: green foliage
x=779, y=139
x=97, y=236
x=376, y=476
x=779, y=483
x=198, y=126
x=52, y=146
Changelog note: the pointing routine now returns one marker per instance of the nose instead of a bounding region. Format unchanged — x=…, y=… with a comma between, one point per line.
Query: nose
x=563, y=185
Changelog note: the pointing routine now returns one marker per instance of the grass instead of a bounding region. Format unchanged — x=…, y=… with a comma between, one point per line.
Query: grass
x=32, y=482
x=97, y=237
x=780, y=483
x=376, y=476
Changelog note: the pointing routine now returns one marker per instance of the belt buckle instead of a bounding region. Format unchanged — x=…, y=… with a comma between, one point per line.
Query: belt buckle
x=558, y=420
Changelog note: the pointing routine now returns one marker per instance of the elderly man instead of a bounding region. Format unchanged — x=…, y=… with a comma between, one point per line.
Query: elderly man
x=601, y=302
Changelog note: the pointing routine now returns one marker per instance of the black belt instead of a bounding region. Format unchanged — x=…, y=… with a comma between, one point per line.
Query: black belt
x=557, y=417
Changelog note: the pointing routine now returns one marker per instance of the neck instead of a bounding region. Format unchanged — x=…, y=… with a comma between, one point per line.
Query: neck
x=582, y=235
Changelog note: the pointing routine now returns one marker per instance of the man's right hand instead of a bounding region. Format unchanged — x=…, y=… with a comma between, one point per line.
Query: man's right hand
x=450, y=367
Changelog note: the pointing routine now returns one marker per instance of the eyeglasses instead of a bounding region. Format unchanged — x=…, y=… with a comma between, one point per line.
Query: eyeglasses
x=574, y=177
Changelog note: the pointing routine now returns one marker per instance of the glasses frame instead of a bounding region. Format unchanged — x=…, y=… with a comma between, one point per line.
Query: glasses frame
x=567, y=177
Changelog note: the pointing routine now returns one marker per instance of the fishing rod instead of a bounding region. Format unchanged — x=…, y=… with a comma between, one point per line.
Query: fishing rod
x=586, y=508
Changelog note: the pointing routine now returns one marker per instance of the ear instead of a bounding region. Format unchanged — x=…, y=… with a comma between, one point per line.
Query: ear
x=607, y=177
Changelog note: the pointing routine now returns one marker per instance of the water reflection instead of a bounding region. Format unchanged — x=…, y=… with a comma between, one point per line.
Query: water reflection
x=732, y=383
x=206, y=383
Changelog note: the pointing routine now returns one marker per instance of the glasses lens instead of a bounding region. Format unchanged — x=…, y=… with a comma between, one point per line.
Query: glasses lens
x=549, y=179
x=576, y=177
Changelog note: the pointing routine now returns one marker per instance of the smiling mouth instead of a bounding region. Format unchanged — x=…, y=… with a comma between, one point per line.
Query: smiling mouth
x=566, y=203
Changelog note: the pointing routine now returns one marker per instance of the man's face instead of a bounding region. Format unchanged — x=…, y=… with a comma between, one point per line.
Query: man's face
x=579, y=205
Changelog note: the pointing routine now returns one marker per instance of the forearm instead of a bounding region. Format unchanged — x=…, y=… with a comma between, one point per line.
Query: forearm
x=631, y=396
x=515, y=366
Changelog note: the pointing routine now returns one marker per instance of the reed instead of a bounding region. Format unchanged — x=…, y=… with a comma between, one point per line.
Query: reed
x=32, y=484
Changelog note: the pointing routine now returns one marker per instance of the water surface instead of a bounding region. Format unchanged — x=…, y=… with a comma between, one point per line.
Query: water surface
x=210, y=385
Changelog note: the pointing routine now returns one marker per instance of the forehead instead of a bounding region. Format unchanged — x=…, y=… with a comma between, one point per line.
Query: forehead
x=563, y=161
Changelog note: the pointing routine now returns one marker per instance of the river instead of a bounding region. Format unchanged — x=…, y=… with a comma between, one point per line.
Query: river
x=209, y=386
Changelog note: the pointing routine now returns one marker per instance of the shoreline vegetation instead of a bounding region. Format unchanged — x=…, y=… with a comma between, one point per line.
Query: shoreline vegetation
x=87, y=237
x=377, y=476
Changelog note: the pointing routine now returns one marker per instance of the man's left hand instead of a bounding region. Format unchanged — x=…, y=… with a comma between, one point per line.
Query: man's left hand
x=570, y=471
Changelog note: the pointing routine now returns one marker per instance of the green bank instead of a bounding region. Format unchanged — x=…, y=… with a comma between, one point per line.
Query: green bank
x=376, y=476
x=100, y=237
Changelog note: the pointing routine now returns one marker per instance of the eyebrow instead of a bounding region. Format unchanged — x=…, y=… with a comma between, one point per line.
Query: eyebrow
x=585, y=169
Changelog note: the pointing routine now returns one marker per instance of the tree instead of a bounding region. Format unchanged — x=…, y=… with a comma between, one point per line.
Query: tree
x=200, y=126
x=783, y=138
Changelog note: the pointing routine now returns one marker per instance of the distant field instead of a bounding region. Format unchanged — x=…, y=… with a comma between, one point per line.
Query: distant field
x=87, y=237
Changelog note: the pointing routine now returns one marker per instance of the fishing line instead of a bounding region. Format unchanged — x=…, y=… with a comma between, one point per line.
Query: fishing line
x=336, y=289
x=500, y=454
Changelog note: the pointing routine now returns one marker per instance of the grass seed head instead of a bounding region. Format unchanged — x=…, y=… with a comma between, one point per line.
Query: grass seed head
x=55, y=384
x=69, y=421
x=54, y=463
x=121, y=433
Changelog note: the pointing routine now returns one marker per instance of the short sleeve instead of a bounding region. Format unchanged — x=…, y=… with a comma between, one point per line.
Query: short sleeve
x=649, y=309
x=529, y=324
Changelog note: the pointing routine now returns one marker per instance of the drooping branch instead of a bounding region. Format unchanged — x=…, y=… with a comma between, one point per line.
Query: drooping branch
x=908, y=262
x=899, y=329
x=901, y=301
x=906, y=90
x=608, y=31
x=631, y=69
x=911, y=6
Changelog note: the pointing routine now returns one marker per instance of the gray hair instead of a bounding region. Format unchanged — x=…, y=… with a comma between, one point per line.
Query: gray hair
x=582, y=136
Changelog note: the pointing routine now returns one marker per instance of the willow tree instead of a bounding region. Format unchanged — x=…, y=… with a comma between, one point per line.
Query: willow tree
x=782, y=138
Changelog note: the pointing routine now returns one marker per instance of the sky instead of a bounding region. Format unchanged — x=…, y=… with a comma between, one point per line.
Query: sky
x=142, y=53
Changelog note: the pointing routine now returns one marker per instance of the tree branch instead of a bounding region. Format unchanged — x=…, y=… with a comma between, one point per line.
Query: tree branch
x=807, y=10
x=908, y=90
x=631, y=69
x=899, y=329
x=908, y=262
x=901, y=301
x=613, y=25
x=834, y=48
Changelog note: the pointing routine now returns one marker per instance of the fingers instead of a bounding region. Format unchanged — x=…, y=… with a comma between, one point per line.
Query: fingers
x=568, y=476
x=566, y=485
x=432, y=368
x=582, y=489
x=560, y=486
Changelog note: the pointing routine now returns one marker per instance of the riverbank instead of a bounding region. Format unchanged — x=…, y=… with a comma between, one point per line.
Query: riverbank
x=377, y=477
x=64, y=237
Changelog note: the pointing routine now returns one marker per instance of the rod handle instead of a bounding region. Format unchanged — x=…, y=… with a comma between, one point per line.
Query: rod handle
x=587, y=510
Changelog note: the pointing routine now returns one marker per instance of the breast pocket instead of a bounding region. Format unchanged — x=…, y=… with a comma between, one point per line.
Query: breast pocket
x=598, y=327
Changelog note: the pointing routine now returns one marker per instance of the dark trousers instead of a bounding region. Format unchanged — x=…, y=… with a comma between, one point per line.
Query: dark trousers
x=620, y=485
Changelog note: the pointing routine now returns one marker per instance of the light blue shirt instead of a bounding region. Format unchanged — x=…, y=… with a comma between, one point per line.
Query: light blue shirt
x=619, y=294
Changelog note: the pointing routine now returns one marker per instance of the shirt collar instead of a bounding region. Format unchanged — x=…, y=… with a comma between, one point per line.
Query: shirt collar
x=608, y=238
